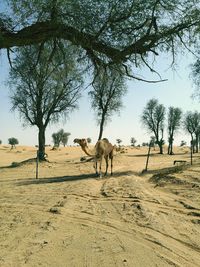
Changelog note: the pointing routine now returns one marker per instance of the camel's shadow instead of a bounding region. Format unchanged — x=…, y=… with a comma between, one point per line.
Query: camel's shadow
x=71, y=178
x=58, y=179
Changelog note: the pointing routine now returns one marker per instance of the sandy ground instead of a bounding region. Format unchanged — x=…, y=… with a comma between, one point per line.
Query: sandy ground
x=69, y=217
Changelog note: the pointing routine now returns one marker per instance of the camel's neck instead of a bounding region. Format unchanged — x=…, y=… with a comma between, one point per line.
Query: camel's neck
x=87, y=151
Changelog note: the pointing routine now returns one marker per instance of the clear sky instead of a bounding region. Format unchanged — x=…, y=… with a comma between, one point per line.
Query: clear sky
x=175, y=92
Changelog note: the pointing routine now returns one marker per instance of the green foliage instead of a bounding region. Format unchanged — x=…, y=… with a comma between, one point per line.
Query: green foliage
x=191, y=124
x=174, y=119
x=183, y=143
x=119, y=141
x=46, y=83
x=174, y=122
x=89, y=140
x=57, y=137
x=106, y=96
x=145, y=143
x=65, y=138
x=126, y=32
x=0, y=142
x=15, y=164
x=196, y=78
x=133, y=141
x=153, y=141
x=13, y=141
x=60, y=137
x=153, y=117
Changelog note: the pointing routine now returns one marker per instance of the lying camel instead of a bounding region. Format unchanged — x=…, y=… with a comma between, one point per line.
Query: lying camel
x=103, y=148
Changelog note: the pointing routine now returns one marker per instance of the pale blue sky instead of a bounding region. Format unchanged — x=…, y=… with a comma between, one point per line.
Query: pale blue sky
x=175, y=92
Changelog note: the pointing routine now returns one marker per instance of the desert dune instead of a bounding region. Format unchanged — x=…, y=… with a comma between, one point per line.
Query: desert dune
x=70, y=217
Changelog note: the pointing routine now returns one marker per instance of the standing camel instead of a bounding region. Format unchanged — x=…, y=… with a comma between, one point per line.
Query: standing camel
x=103, y=148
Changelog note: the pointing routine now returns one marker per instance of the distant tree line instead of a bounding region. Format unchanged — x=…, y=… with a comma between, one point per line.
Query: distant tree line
x=154, y=116
x=57, y=44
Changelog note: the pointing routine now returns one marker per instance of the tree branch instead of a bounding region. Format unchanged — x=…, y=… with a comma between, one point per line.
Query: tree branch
x=138, y=78
x=151, y=69
x=42, y=31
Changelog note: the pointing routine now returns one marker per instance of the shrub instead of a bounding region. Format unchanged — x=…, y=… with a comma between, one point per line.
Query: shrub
x=14, y=164
x=183, y=143
x=13, y=141
x=89, y=140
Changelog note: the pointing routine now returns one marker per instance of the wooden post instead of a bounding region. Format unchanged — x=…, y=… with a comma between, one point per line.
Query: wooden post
x=37, y=164
x=148, y=157
x=191, y=152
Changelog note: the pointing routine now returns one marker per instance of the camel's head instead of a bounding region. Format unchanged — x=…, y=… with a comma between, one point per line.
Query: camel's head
x=82, y=142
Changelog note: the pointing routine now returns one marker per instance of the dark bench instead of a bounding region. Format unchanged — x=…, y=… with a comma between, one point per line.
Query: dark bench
x=179, y=161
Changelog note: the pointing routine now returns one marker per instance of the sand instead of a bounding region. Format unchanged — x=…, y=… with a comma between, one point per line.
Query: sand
x=70, y=217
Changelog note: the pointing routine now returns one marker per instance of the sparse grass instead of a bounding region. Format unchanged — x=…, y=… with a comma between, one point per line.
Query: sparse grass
x=14, y=164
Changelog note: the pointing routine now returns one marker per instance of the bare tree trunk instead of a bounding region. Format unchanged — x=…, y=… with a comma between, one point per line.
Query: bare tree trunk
x=160, y=147
x=192, y=144
x=170, y=152
x=159, y=141
x=197, y=143
x=41, y=142
x=170, y=147
x=101, y=126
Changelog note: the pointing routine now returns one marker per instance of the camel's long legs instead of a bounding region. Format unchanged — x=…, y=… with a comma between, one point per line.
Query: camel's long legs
x=111, y=163
x=102, y=149
x=106, y=159
x=111, y=166
x=100, y=173
x=95, y=167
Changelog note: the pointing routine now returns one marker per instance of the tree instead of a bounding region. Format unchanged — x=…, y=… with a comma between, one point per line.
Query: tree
x=106, y=96
x=174, y=122
x=133, y=141
x=196, y=78
x=153, y=141
x=89, y=140
x=13, y=141
x=65, y=138
x=107, y=32
x=0, y=142
x=183, y=143
x=145, y=144
x=45, y=84
x=57, y=137
x=60, y=137
x=196, y=124
x=153, y=117
x=119, y=141
x=191, y=124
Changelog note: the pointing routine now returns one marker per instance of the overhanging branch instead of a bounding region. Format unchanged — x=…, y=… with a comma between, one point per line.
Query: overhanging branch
x=42, y=31
x=140, y=79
